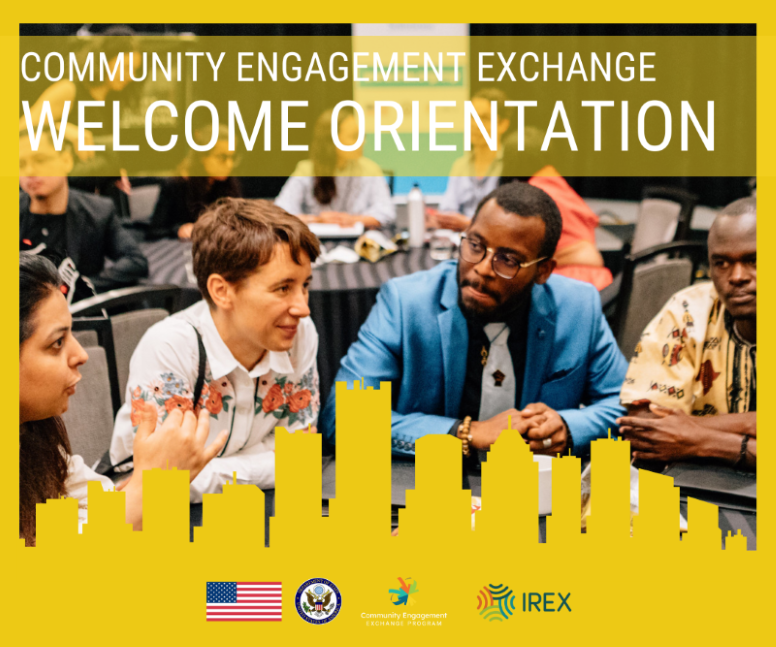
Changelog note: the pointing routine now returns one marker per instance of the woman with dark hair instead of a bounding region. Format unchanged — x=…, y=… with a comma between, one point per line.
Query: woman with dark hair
x=205, y=178
x=336, y=186
x=49, y=358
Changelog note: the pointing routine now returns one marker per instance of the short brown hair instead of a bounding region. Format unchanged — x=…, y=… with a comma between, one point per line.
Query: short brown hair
x=235, y=237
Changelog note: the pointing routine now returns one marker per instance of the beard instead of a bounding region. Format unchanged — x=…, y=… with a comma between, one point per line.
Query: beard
x=501, y=311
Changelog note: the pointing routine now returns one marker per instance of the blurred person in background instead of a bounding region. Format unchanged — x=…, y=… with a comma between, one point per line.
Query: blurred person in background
x=206, y=176
x=577, y=256
x=476, y=173
x=102, y=173
x=64, y=223
x=336, y=186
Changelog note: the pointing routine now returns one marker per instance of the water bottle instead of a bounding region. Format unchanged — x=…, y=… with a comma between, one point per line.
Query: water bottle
x=416, y=213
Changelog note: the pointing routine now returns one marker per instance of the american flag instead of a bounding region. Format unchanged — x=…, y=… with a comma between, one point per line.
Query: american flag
x=257, y=601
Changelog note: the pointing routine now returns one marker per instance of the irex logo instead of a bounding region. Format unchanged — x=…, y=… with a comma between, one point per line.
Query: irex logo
x=546, y=602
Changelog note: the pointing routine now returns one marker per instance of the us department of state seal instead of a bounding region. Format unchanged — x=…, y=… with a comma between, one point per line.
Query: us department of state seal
x=318, y=601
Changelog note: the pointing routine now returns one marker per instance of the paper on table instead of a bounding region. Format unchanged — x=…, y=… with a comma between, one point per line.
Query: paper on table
x=340, y=254
x=330, y=230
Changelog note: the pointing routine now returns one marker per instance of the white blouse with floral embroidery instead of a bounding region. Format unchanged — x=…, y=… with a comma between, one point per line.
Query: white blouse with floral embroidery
x=281, y=390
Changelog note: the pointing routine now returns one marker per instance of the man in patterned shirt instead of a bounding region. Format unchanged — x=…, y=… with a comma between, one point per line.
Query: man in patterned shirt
x=691, y=388
x=249, y=349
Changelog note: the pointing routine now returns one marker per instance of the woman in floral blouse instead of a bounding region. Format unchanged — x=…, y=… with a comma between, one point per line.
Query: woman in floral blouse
x=250, y=345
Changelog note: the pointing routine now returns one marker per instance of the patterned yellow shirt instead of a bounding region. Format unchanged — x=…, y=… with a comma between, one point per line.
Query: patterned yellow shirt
x=690, y=357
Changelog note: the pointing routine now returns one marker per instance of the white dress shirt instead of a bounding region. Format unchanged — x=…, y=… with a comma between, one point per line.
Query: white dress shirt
x=281, y=390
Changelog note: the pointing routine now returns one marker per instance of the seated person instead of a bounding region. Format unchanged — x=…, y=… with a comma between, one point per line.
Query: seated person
x=114, y=42
x=336, y=186
x=691, y=388
x=62, y=223
x=476, y=173
x=49, y=359
x=492, y=333
x=98, y=172
x=205, y=177
x=247, y=353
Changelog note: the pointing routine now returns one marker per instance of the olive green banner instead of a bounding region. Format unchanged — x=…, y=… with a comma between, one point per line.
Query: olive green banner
x=258, y=106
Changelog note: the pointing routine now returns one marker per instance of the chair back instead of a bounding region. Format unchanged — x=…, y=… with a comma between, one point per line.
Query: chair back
x=664, y=216
x=653, y=285
x=135, y=298
x=142, y=202
x=86, y=338
x=128, y=329
x=89, y=418
x=189, y=296
x=100, y=331
x=649, y=280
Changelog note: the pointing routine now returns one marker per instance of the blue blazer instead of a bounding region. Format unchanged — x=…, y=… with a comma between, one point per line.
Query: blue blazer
x=416, y=338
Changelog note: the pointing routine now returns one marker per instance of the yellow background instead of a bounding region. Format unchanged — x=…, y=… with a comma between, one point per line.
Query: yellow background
x=630, y=593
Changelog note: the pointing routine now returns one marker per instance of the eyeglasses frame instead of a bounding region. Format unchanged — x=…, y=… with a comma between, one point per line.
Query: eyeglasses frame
x=491, y=250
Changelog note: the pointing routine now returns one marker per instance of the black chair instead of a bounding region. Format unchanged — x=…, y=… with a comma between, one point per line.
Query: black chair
x=127, y=299
x=648, y=280
x=189, y=296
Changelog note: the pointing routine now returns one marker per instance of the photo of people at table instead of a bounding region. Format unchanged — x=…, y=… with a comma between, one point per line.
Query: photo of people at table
x=551, y=315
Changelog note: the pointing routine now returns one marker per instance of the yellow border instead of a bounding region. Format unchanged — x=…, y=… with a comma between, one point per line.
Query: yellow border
x=754, y=579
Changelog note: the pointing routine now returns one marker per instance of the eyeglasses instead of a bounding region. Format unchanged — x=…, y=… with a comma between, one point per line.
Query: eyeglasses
x=504, y=264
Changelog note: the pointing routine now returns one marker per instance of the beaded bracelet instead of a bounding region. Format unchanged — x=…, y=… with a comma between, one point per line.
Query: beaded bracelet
x=464, y=435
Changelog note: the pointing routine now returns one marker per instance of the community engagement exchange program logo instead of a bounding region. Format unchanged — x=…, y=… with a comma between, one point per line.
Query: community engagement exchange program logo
x=318, y=601
x=403, y=593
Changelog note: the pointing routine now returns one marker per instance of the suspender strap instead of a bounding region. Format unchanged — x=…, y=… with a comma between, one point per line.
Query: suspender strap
x=201, y=370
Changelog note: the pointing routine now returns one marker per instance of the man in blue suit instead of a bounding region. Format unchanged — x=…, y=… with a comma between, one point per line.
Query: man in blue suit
x=473, y=342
